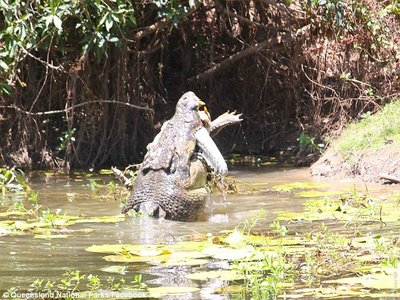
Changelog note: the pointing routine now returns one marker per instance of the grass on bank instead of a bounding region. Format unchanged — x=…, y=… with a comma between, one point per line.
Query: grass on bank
x=371, y=132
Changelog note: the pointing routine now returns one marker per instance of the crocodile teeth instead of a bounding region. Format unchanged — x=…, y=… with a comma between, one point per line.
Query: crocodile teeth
x=210, y=151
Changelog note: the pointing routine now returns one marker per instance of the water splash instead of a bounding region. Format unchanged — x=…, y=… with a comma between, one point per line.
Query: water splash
x=245, y=139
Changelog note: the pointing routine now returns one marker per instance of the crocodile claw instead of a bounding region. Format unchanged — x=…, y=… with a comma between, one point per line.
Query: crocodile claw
x=226, y=119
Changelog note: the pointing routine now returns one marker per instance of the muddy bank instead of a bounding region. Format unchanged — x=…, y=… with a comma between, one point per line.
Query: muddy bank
x=369, y=165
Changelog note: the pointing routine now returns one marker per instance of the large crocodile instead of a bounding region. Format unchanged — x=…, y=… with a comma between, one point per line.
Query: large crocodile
x=172, y=180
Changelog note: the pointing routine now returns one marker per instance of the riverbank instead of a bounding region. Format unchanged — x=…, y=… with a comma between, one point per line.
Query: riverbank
x=368, y=149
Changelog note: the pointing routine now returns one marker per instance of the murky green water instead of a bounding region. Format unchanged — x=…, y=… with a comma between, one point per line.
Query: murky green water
x=24, y=258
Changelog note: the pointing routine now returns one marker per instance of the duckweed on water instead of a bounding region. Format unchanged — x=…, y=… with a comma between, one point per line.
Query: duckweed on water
x=43, y=222
x=299, y=185
x=314, y=194
x=328, y=263
x=352, y=208
x=51, y=236
x=37, y=225
x=345, y=263
x=318, y=261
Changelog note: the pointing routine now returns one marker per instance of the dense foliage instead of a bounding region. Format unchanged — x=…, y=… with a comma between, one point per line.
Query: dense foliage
x=88, y=83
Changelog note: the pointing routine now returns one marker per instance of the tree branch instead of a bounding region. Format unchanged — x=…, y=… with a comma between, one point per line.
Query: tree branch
x=227, y=62
x=390, y=178
x=162, y=24
x=229, y=13
x=60, y=111
x=270, y=43
x=152, y=28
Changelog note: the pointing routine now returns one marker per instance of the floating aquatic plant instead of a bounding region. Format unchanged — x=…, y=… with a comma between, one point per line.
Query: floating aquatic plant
x=299, y=185
x=12, y=180
x=275, y=259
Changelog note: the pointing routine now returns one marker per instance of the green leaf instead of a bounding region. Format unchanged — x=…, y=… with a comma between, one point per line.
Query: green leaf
x=3, y=65
x=5, y=88
x=115, y=269
x=21, y=180
x=175, y=262
x=107, y=248
x=123, y=258
x=106, y=172
x=299, y=185
x=57, y=22
x=132, y=19
x=235, y=238
x=51, y=236
x=170, y=259
x=192, y=3
x=150, y=251
x=134, y=250
x=171, y=290
x=226, y=253
x=113, y=40
x=315, y=194
x=109, y=24
x=227, y=275
x=379, y=281
x=4, y=5
x=15, y=213
x=190, y=246
x=102, y=219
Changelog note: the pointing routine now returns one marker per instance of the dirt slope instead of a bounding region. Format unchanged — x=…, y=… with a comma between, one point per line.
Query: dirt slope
x=369, y=166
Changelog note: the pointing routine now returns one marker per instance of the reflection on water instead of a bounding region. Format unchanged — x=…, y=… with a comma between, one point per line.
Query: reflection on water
x=24, y=258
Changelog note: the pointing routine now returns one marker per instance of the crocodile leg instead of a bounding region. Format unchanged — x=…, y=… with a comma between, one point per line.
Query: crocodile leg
x=151, y=209
x=226, y=119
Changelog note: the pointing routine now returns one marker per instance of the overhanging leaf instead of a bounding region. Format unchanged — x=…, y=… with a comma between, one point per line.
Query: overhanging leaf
x=57, y=22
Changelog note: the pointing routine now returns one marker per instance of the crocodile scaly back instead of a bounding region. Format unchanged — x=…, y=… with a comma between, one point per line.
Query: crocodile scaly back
x=172, y=181
x=164, y=175
x=175, y=144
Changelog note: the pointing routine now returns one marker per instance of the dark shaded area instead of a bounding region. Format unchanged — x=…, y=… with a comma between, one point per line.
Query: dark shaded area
x=290, y=69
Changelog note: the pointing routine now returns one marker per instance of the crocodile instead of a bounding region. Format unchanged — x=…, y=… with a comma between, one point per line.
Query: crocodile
x=172, y=179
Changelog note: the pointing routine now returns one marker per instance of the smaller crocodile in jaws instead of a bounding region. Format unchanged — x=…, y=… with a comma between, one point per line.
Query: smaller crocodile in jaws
x=172, y=181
